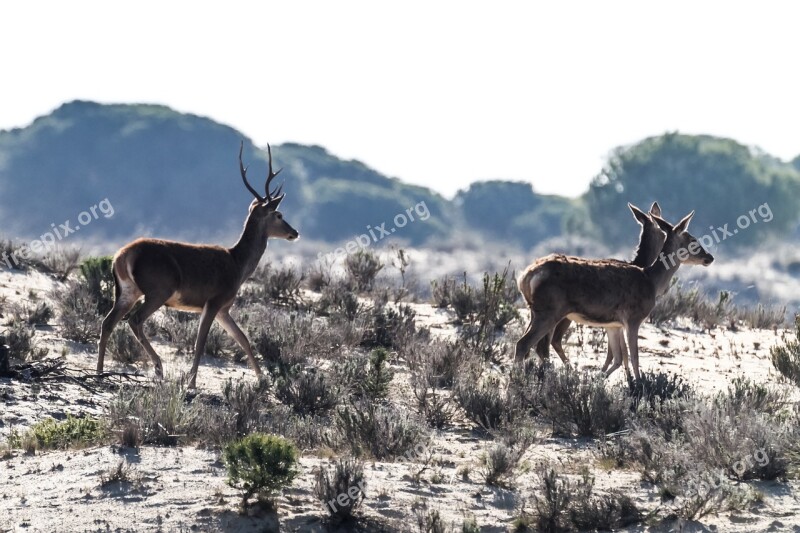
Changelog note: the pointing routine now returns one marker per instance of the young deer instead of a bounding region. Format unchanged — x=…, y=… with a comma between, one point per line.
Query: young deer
x=651, y=240
x=199, y=278
x=603, y=292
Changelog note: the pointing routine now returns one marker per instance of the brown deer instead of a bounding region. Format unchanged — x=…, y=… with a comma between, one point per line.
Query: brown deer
x=651, y=240
x=604, y=292
x=199, y=278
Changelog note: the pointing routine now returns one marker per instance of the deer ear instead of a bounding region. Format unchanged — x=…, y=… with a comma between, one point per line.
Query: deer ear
x=655, y=209
x=638, y=214
x=663, y=224
x=681, y=226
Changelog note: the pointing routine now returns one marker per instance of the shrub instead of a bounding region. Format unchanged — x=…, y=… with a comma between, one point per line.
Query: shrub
x=73, y=432
x=338, y=299
x=441, y=360
x=437, y=408
x=124, y=347
x=21, y=341
x=78, y=308
x=341, y=491
x=379, y=430
x=245, y=401
x=745, y=444
x=443, y=291
x=526, y=383
x=362, y=268
x=564, y=505
x=389, y=328
x=486, y=312
x=99, y=278
x=179, y=328
x=260, y=465
x=280, y=286
x=762, y=317
x=62, y=261
x=654, y=388
x=157, y=414
x=33, y=315
x=744, y=395
x=307, y=391
x=486, y=402
x=786, y=358
x=375, y=383
x=500, y=462
x=578, y=402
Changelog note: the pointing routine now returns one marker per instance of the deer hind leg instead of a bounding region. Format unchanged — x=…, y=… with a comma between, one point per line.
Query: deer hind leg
x=226, y=321
x=206, y=318
x=558, y=334
x=617, y=351
x=538, y=329
x=125, y=297
x=633, y=341
x=152, y=302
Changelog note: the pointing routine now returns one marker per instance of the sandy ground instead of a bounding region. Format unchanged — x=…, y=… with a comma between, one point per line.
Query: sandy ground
x=184, y=489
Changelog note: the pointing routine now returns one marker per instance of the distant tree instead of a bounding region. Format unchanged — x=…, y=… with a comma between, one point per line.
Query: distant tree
x=512, y=211
x=719, y=178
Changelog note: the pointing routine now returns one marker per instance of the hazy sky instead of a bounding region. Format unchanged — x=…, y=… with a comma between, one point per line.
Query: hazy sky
x=436, y=93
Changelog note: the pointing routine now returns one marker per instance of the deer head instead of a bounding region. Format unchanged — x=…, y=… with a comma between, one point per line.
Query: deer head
x=264, y=210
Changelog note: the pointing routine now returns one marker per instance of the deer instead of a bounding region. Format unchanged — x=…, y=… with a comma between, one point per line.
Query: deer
x=603, y=292
x=651, y=240
x=195, y=277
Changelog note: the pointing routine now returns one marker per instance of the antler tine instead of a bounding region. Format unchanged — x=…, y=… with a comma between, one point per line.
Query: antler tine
x=243, y=170
x=271, y=176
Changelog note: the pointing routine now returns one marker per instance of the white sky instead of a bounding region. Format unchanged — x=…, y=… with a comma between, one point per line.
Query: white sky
x=435, y=93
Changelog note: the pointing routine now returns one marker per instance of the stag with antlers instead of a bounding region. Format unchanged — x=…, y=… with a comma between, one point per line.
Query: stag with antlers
x=198, y=278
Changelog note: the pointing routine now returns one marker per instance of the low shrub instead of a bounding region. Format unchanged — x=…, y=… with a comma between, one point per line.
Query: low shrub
x=578, y=402
x=786, y=357
x=380, y=431
x=260, y=465
x=561, y=504
x=436, y=407
x=308, y=391
x=50, y=434
x=362, y=268
x=124, y=347
x=341, y=490
x=99, y=279
x=486, y=402
x=78, y=310
x=156, y=414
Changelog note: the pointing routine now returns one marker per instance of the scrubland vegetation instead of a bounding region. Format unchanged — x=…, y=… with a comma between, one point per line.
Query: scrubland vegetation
x=352, y=376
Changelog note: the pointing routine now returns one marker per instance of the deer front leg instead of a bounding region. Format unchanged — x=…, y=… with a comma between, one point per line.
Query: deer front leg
x=206, y=318
x=226, y=321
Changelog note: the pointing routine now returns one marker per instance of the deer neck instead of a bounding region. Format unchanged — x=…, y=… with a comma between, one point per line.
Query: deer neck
x=665, y=266
x=249, y=249
x=648, y=249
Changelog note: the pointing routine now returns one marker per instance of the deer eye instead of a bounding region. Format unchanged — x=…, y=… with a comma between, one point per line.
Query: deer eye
x=280, y=216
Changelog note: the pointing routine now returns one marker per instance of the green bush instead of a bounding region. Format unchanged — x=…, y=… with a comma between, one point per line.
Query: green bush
x=260, y=465
x=96, y=272
x=50, y=434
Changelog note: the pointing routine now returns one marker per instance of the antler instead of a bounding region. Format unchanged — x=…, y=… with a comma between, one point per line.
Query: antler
x=272, y=199
x=275, y=197
x=243, y=170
